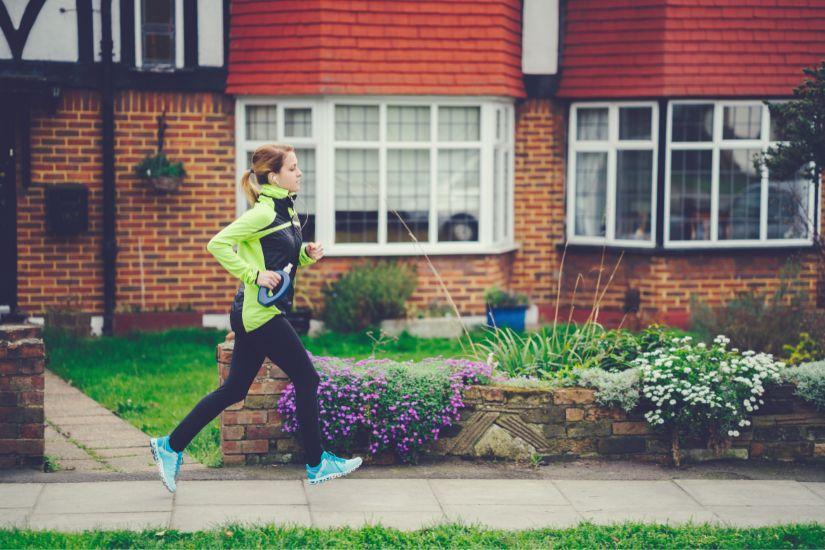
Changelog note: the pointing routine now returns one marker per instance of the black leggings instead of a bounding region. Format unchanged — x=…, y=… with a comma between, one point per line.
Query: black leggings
x=277, y=340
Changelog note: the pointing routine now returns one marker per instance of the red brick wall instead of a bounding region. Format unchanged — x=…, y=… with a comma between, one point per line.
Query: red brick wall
x=22, y=360
x=167, y=232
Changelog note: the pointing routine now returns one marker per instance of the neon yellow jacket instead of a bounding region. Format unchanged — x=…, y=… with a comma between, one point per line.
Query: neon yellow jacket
x=268, y=237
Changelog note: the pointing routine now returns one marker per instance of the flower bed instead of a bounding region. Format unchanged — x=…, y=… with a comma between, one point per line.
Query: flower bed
x=393, y=414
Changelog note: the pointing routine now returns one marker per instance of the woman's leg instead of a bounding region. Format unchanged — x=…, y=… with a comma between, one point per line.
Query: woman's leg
x=246, y=361
x=278, y=340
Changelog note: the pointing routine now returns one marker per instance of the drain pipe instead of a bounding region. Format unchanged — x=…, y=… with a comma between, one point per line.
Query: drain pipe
x=108, y=154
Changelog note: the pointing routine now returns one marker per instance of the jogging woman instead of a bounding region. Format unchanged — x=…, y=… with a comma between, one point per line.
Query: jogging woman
x=268, y=239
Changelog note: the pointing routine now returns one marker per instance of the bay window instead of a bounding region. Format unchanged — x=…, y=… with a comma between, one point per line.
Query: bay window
x=380, y=172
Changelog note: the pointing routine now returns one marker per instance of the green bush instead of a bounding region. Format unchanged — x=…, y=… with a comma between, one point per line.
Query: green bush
x=805, y=351
x=764, y=321
x=809, y=380
x=367, y=294
x=613, y=389
x=494, y=297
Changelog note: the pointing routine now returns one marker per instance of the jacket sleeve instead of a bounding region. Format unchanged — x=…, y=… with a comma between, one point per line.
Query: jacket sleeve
x=303, y=257
x=221, y=245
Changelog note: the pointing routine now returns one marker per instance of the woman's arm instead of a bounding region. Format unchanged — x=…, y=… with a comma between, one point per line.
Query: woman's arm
x=220, y=246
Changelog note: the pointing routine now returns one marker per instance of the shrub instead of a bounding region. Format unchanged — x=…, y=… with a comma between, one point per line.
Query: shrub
x=809, y=380
x=697, y=389
x=805, y=351
x=494, y=297
x=613, y=389
x=764, y=321
x=367, y=294
x=382, y=404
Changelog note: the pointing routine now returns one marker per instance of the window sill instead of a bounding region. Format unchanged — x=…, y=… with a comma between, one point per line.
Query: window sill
x=410, y=249
x=681, y=251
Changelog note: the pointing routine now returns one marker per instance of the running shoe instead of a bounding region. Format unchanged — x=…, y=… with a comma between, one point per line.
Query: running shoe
x=166, y=459
x=331, y=467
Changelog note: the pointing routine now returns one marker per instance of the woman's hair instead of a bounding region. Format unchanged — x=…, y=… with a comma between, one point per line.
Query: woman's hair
x=265, y=159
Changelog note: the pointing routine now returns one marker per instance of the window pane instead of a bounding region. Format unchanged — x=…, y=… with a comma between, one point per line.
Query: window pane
x=408, y=123
x=690, y=186
x=160, y=12
x=740, y=192
x=305, y=205
x=692, y=123
x=788, y=208
x=298, y=122
x=356, y=195
x=356, y=122
x=742, y=122
x=635, y=122
x=158, y=49
x=261, y=122
x=591, y=188
x=508, y=189
x=459, y=123
x=634, y=180
x=459, y=188
x=498, y=197
x=591, y=124
x=408, y=192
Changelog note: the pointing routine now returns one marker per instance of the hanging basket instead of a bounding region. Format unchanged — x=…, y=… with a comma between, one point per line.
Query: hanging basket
x=165, y=184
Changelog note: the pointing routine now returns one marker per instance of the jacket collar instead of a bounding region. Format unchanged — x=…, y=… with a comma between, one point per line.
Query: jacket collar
x=276, y=192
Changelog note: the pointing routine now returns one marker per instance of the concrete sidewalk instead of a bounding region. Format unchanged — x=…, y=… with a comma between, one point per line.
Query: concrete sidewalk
x=408, y=503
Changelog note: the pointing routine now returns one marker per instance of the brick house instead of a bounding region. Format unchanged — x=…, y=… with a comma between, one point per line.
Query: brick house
x=503, y=132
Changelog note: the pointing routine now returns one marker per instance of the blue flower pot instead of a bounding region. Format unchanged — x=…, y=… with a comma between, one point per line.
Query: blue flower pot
x=511, y=317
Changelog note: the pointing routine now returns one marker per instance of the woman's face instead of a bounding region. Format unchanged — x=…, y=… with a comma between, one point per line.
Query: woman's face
x=290, y=175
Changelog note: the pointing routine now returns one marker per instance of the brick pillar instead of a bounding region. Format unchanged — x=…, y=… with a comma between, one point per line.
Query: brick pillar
x=22, y=359
x=251, y=430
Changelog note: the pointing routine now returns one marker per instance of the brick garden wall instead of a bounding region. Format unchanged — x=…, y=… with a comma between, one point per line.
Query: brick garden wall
x=22, y=360
x=513, y=423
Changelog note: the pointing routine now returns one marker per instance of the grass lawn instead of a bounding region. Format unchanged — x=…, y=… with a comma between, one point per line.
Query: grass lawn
x=450, y=536
x=152, y=380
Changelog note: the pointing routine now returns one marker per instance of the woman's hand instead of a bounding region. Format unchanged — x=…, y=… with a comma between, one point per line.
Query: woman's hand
x=315, y=250
x=268, y=279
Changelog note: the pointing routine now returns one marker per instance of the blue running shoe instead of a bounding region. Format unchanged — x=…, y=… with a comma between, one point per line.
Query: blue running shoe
x=177, y=466
x=331, y=467
x=166, y=459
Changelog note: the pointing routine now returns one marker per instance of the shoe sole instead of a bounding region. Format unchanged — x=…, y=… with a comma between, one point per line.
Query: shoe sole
x=156, y=458
x=328, y=477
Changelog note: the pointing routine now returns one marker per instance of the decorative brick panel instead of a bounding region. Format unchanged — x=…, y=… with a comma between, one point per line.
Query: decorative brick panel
x=22, y=360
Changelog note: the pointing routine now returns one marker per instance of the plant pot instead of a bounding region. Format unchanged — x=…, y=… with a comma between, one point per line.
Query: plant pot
x=511, y=317
x=299, y=319
x=165, y=184
x=155, y=321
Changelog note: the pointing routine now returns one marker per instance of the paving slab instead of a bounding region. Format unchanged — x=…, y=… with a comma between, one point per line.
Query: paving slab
x=591, y=495
x=403, y=521
x=62, y=449
x=19, y=495
x=104, y=498
x=133, y=463
x=497, y=491
x=756, y=516
x=744, y=492
x=372, y=495
x=135, y=521
x=196, y=518
x=139, y=450
x=12, y=518
x=238, y=493
x=818, y=488
x=82, y=465
x=513, y=517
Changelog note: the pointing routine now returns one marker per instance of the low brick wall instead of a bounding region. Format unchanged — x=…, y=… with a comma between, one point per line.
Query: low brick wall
x=22, y=360
x=514, y=423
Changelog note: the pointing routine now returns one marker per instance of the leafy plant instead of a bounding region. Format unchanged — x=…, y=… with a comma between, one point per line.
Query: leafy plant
x=613, y=389
x=158, y=165
x=382, y=404
x=494, y=297
x=809, y=380
x=367, y=294
x=806, y=350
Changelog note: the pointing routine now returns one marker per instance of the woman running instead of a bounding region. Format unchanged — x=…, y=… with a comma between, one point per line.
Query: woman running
x=268, y=239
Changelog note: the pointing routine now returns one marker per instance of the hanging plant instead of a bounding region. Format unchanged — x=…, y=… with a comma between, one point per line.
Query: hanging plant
x=163, y=175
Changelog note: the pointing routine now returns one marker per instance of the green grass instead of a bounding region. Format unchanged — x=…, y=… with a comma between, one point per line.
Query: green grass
x=152, y=380
x=449, y=536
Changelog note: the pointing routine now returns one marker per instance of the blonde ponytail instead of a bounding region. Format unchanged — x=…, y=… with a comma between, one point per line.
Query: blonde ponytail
x=250, y=187
x=265, y=159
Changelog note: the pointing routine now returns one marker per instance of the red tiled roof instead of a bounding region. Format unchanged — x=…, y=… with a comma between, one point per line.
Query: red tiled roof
x=455, y=47
x=672, y=48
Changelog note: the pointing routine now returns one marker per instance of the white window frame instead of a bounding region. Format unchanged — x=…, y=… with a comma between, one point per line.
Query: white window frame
x=611, y=146
x=716, y=145
x=323, y=125
x=179, y=24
